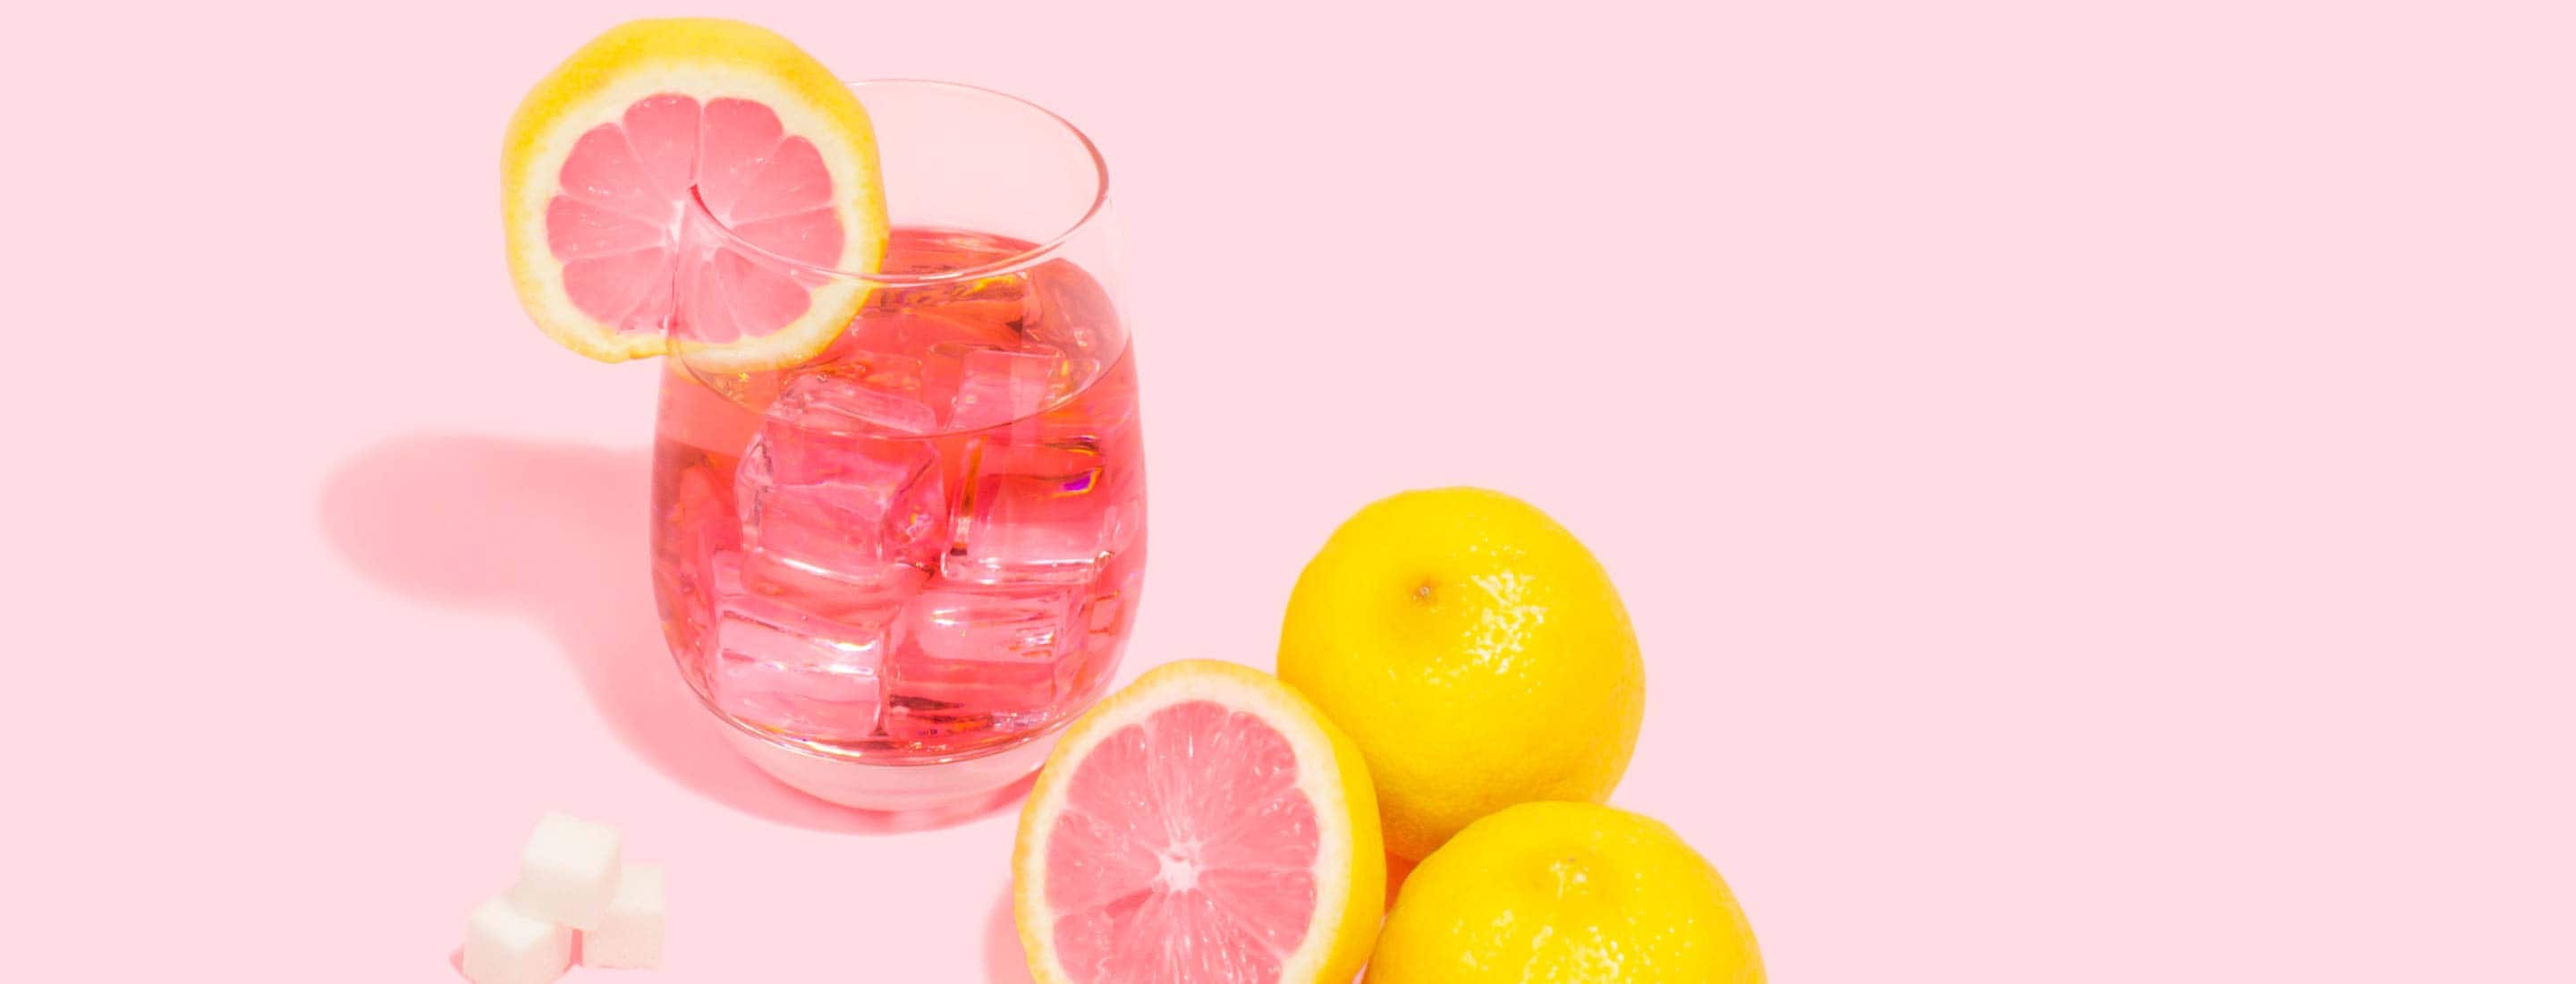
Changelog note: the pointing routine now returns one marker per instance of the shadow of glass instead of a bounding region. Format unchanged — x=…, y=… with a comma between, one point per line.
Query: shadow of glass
x=557, y=533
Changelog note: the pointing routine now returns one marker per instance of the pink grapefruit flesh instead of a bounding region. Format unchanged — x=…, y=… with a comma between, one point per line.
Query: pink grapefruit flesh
x=1185, y=852
x=625, y=190
x=1204, y=825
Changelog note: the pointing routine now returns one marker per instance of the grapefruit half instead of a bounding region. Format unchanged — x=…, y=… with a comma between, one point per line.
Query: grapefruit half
x=609, y=157
x=1206, y=825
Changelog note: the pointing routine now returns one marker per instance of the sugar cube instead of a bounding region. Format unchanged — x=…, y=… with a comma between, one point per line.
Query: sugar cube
x=506, y=946
x=631, y=936
x=567, y=871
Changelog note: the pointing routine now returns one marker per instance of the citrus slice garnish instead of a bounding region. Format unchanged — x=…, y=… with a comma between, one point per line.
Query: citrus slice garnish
x=1208, y=825
x=610, y=156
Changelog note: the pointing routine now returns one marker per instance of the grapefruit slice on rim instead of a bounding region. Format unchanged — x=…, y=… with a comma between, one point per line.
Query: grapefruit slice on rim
x=606, y=163
x=1206, y=825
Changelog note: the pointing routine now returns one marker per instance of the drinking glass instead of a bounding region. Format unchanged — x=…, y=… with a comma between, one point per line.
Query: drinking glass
x=895, y=570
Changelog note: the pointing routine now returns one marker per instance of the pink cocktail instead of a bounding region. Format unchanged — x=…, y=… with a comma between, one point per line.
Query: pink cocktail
x=893, y=568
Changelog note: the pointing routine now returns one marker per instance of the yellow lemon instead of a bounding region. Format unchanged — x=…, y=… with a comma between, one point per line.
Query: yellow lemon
x=1475, y=651
x=1557, y=893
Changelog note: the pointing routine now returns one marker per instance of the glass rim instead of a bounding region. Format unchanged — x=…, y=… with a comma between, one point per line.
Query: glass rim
x=1037, y=253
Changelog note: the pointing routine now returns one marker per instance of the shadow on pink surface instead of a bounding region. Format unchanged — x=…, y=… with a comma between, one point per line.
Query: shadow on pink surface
x=1004, y=961
x=557, y=533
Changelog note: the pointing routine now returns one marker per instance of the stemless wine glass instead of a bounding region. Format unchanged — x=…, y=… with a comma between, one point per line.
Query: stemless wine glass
x=896, y=570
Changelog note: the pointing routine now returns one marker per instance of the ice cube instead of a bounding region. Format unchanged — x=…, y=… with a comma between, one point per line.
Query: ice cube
x=631, y=935
x=506, y=946
x=779, y=667
x=849, y=403
x=1039, y=513
x=567, y=871
x=841, y=506
x=1014, y=626
x=861, y=599
x=996, y=386
x=981, y=657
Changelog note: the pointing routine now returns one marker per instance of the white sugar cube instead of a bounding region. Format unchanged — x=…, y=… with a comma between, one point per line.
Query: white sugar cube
x=631, y=936
x=568, y=871
x=506, y=946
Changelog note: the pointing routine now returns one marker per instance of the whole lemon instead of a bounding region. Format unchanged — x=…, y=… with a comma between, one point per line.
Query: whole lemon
x=1475, y=651
x=1565, y=892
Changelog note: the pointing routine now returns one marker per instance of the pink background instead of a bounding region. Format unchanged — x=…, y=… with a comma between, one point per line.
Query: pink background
x=2095, y=489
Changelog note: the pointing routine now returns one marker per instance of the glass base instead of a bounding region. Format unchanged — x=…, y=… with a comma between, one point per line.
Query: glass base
x=893, y=787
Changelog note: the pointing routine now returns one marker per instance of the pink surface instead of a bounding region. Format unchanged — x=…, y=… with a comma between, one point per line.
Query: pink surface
x=2094, y=488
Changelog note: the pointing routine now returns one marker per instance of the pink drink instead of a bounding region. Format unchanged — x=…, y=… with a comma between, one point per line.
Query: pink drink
x=927, y=542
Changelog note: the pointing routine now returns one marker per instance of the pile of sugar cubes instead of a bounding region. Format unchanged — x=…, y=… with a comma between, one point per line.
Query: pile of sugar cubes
x=571, y=879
